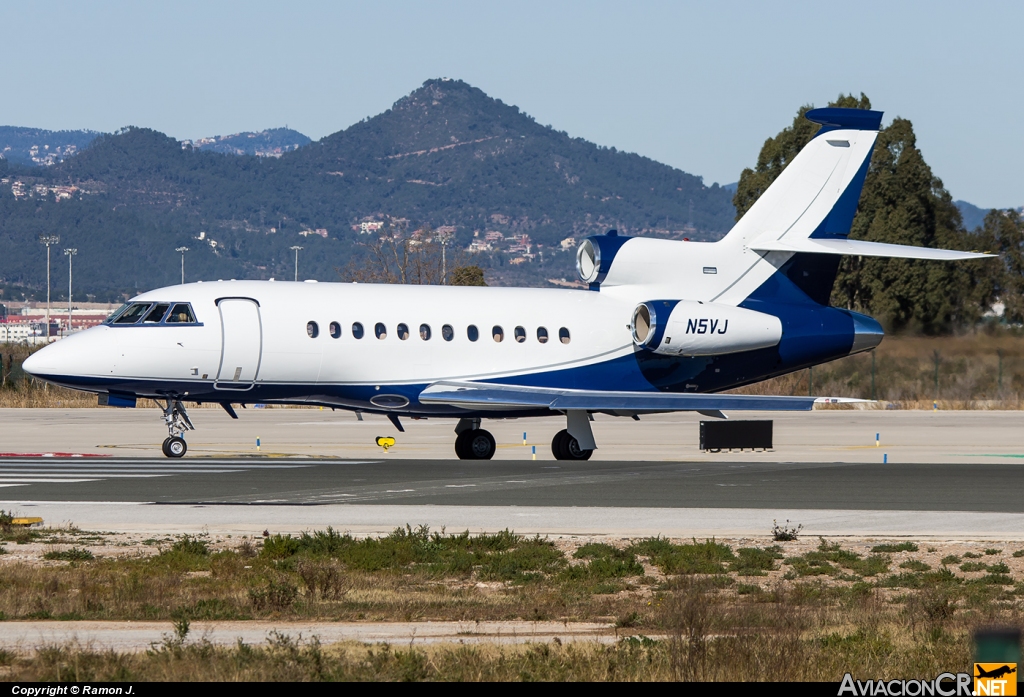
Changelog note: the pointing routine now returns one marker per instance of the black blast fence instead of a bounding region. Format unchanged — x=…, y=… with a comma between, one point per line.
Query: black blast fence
x=735, y=435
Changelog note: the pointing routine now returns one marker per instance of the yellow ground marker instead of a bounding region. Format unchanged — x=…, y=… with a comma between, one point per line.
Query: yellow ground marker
x=27, y=522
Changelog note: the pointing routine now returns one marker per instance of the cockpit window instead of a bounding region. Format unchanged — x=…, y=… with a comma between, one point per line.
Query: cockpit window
x=149, y=314
x=133, y=314
x=156, y=314
x=181, y=314
x=117, y=313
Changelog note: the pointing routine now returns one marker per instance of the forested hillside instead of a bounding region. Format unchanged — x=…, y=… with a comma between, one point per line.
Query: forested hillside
x=446, y=155
x=38, y=146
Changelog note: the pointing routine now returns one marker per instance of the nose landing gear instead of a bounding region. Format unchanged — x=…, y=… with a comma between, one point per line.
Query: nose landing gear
x=178, y=423
x=175, y=446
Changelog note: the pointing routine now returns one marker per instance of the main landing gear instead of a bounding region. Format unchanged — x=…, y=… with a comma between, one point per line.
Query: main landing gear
x=576, y=442
x=177, y=423
x=565, y=447
x=473, y=442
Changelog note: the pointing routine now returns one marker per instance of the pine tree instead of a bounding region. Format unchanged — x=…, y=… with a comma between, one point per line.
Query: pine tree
x=1003, y=232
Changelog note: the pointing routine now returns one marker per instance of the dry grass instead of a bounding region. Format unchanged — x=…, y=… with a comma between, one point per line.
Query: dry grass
x=720, y=610
x=905, y=373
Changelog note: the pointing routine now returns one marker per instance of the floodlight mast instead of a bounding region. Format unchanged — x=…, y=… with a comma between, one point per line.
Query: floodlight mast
x=182, y=251
x=296, y=248
x=444, y=238
x=48, y=240
x=69, y=252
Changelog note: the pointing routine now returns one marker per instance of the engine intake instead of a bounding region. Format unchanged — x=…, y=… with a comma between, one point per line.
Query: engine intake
x=693, y=328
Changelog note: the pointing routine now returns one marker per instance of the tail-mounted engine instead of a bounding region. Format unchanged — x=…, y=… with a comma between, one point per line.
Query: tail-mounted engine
x=693, y=328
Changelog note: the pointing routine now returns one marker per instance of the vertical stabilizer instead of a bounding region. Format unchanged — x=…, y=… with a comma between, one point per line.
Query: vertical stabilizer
x=816, y=195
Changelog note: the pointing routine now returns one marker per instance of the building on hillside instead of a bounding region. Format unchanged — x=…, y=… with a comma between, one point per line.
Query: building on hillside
x=567, y=244
x=520, y=243
x=369, y=227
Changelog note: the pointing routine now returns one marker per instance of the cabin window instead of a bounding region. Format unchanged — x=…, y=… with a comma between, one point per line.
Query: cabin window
x=133, y=314
x=425, y=332
x=497, y=333
x=357, y=330
x=447, y=333
x=472, y=332
x=312, y=330
x=520, y=335
x=335, y=330
x=156, y=314
x=380, y=330
x=563, y=335
x=403, y=331
x=181, y=314
x=542, y=335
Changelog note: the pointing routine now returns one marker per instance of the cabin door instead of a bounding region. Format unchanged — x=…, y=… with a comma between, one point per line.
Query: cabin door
x=242, y=343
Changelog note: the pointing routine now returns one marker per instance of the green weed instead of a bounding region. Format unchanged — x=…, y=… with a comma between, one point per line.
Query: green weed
x=915, y=565
x=900, y=547
x=73, y=554
x=753, y=561
x=708, y=557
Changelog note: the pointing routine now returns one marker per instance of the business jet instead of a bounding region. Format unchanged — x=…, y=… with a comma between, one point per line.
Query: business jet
x=663, y=326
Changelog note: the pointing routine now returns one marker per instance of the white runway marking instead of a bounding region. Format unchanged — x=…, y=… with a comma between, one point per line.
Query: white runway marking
x=16, y=472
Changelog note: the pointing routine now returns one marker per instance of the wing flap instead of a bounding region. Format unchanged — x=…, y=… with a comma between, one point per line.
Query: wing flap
x=863, y=249
x=488, y=396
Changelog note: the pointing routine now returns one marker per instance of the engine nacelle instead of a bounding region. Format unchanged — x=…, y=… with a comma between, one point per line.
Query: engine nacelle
x=689, y=328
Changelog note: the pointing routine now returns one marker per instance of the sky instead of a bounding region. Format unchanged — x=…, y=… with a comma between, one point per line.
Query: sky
x=696, y=85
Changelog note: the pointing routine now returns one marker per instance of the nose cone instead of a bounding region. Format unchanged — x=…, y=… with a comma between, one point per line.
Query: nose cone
x=57, y=360
x=35, y=364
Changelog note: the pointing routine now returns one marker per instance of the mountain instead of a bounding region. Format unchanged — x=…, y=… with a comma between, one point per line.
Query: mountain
x=36, y=146
x=272, y=142
x=973, y=216
x=445, y=155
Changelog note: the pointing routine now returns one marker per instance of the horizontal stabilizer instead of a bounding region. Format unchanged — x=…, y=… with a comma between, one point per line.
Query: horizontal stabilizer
x=861, y=248
x=477, y=395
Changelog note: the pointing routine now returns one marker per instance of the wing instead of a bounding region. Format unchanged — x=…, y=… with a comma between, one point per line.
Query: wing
x=486, y=396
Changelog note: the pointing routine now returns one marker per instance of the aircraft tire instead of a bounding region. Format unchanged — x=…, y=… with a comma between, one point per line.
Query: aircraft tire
x=163, y=447
x=565, y=447
x=477, y=444
x=461, y=451
x=558, y=443
x=175, y=447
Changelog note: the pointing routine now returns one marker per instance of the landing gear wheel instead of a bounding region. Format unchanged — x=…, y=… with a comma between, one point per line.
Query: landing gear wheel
x=476, y=444
x=565, y=447
x=175, y=447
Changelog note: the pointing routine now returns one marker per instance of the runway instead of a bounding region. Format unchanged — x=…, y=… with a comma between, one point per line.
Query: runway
x=931, y=473
x=979, y=487
x=249, y=495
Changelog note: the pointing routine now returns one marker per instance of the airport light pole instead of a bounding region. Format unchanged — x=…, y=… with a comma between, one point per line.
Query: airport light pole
x=48, y=240
x=69, y=252
x=296, y=248
x=182, y=251
x=444, y=238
